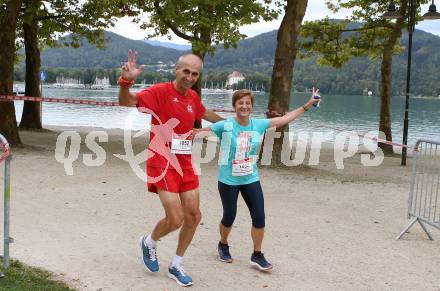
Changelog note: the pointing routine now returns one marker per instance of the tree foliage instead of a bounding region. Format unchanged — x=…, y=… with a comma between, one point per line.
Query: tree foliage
x=204, y=23
x=42, y=22
x=336, y=43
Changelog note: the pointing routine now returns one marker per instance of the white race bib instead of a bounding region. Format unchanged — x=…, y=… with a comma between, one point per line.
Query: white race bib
x=242, y=167
x=181, y=146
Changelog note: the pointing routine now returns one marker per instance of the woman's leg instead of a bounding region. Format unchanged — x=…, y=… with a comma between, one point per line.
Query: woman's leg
x=253, y=196
x=257, y=238
x=229, y=196
x=224, y=233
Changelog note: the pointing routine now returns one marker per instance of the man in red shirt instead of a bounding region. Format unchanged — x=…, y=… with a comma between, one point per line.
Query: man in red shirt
x=174, y=107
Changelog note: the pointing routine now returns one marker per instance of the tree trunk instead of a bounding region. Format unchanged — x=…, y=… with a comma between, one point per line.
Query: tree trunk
x=386, y=89
x=282, y=73
x=198, y=85
x=198, y=88
x=31, y=118
x=206, y=38
x=8, y=23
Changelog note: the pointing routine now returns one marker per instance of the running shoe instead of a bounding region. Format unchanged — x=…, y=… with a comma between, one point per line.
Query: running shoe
x=178, y=273
x=223, y=253
x=149, y=257
x=258, y=260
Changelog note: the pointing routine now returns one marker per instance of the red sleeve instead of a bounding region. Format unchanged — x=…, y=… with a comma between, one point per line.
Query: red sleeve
x=147, y=99
x=200, y=109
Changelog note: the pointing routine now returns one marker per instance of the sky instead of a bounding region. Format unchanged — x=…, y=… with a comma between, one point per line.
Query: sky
x=316, y=9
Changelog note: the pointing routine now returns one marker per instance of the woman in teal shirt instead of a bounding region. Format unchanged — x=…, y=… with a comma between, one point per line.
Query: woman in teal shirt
x=240, y=138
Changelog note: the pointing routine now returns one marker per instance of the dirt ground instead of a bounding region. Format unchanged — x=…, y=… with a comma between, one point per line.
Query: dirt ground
x=326, y=229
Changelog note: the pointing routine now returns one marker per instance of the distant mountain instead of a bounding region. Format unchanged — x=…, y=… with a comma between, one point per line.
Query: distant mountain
x=256, y=55
x=179, y=47
x=115, y=52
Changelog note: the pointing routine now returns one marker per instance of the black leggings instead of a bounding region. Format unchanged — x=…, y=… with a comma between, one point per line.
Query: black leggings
x=252, y=195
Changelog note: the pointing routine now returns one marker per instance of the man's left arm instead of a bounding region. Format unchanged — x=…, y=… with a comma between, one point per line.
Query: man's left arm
x=211, y=116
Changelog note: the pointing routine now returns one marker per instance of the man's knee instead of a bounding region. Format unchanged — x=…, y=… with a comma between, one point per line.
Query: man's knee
x=193, y=218
x=175, y=221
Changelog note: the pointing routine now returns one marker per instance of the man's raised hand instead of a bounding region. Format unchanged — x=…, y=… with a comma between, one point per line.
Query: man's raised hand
x=129, y=69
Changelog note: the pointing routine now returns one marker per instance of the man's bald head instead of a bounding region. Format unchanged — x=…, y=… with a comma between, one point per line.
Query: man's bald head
x=188, y=70
x=190, y=59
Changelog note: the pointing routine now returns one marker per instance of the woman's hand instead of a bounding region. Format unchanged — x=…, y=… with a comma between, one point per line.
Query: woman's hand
x=315, y=99
x=294, y=114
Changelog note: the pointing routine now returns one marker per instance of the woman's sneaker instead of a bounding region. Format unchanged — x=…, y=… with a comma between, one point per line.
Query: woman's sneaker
x=258, y=260
x=223, y=253
x=178, y=273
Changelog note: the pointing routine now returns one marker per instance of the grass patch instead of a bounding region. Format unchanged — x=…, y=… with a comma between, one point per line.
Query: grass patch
x=19, y=277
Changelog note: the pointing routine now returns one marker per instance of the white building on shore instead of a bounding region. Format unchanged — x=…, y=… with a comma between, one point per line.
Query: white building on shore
x=234, y=78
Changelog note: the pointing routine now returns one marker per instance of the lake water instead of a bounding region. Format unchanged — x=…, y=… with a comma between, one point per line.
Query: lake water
x=358, y=113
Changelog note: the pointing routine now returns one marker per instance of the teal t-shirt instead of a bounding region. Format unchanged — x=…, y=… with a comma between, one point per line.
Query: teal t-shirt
x=238, y=144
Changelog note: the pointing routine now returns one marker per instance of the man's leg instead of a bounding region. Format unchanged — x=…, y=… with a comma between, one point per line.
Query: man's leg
x=174, y=214
x=173, y=220
x=191, y=219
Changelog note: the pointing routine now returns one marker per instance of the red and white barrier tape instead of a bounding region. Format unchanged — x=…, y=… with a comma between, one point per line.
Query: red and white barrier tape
x=73, y=101
x=58, y=100
x=379, y=140
x=6, y=152
x=108, y=103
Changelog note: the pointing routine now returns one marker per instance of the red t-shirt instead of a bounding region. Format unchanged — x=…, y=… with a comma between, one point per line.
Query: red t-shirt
x=171, y=113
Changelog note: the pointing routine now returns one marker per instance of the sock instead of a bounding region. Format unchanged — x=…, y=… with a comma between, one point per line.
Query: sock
x=177, y=260
x=150, y=242
x=222, y=244
x=257, y=252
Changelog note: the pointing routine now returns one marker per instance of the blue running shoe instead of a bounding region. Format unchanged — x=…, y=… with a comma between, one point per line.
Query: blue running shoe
x=258, y=260
x=177, y=273
x=149, y=257
x=223, y=253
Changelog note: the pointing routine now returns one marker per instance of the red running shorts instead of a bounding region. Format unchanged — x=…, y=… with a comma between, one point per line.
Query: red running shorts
x=172, y=181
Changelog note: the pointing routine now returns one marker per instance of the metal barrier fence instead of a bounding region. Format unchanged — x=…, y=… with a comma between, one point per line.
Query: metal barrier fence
x=6, y=157
x=424, y=200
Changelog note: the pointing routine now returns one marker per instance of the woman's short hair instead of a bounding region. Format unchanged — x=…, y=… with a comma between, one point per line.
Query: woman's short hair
x=240, y=94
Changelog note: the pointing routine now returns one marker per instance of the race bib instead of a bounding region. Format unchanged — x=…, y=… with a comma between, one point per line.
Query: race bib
x=181, y=146
x=243, y=145
x=242, y=167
